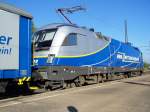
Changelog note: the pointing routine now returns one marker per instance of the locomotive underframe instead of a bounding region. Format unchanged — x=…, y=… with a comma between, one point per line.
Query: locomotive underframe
x=57, y=73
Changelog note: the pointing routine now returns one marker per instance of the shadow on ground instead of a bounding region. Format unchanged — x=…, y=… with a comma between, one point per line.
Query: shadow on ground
x=16, y=93
x=72, y=109
x=136, y=83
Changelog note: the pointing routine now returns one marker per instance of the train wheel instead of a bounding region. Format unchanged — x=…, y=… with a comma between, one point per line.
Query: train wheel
x=3, y=85
x=140, y=73
x=81, y=80
x=111, y=77
x=129, y=74
x=13, y=88
x=107, y=76
x=64, y=85
x=102, y=78
x=98, y=78
x=48, y=85
x=72, y=85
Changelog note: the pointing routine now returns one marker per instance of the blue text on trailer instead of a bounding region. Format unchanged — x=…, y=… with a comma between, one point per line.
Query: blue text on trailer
x=5, y=42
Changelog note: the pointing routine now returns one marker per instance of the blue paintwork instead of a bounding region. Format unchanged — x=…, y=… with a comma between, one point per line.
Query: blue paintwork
x=105, y=58
x=24, y=51
x=25, y=46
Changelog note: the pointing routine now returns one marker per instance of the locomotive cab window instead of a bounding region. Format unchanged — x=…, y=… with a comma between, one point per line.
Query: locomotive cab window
x=70, y=40
x=44, y=38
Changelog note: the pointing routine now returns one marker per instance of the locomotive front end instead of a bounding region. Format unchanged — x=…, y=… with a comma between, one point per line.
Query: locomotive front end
x=47, y=42
x=42, y=41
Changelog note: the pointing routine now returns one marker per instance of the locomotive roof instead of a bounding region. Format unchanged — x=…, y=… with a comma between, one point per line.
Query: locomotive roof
x=15, y=10
x=57, y=25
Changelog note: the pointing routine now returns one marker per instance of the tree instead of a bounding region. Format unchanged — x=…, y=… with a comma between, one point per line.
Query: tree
x=146, y=65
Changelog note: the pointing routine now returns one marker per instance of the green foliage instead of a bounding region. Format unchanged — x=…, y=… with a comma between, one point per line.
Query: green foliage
x=146, y=65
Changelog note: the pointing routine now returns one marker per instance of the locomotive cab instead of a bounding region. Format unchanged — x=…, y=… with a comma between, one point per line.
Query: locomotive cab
x=65, y=41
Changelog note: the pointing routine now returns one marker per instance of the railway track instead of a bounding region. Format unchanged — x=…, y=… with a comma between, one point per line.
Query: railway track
x=50, y=97
x=15, y=97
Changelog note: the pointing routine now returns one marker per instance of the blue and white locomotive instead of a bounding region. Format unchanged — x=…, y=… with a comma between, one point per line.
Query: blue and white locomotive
x=67, y=52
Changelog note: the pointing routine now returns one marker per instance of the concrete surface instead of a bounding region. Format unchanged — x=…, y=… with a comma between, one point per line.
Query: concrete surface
x=127, y=95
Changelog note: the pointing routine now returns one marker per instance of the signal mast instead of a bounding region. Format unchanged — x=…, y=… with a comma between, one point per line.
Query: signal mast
x=126, y=31
x=71, y=10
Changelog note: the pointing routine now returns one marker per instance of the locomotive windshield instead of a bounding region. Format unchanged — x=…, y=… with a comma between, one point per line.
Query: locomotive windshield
x=43, y=39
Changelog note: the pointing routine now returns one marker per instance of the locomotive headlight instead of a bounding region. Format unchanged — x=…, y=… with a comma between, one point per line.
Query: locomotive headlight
x=50, y=58
x=35, y=62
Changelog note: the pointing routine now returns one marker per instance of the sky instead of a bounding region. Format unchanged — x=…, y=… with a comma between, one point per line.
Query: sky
x=106, y=16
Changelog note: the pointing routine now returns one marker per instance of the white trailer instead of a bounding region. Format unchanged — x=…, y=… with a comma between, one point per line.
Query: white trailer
x=15, y=43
